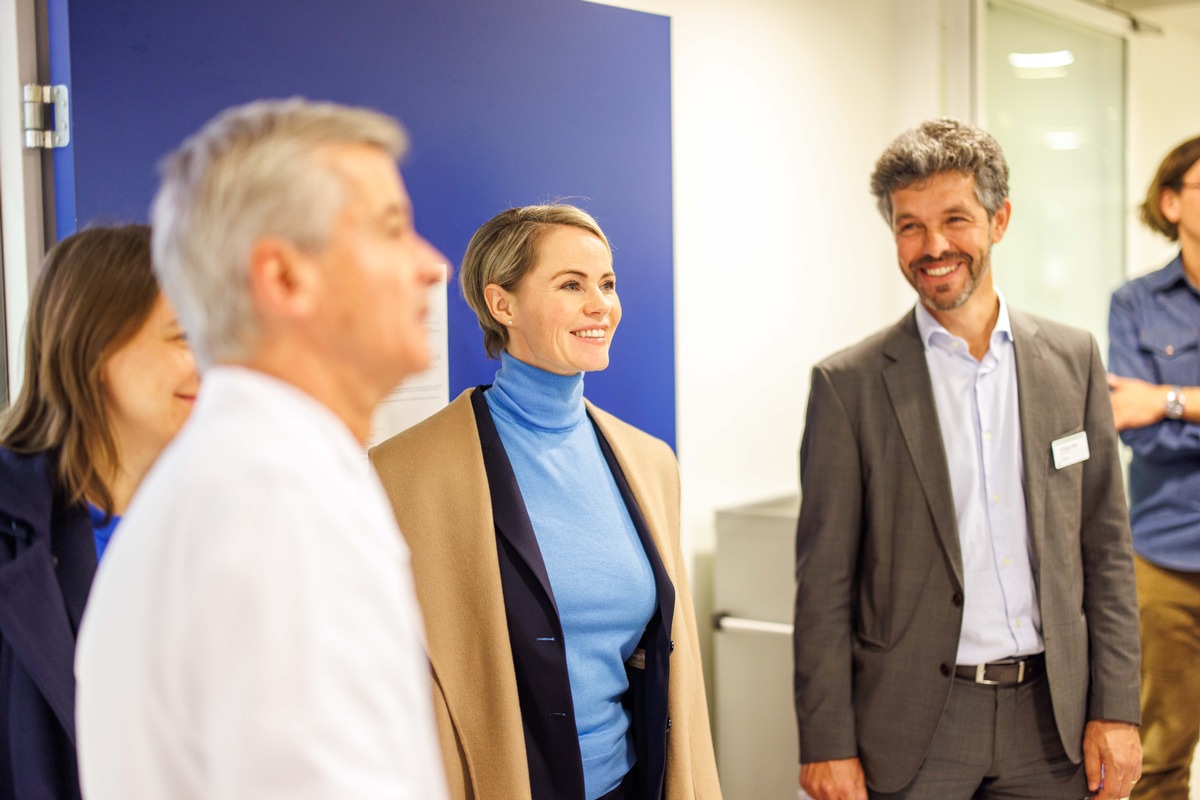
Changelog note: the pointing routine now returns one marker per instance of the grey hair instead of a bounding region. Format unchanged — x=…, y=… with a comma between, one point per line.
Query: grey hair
x=503, y=251
x=936, y=146
x=252, y=171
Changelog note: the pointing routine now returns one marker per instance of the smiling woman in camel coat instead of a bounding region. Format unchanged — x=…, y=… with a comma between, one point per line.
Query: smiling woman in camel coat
x=545, y=546
x=438, y=483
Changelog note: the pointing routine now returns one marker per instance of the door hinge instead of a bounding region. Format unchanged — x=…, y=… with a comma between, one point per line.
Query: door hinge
x=47, y=117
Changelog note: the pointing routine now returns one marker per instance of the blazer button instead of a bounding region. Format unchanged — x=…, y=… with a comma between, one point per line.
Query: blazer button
x=672, y=646
x=957, y=599
x=945, y=670
x=54, y=561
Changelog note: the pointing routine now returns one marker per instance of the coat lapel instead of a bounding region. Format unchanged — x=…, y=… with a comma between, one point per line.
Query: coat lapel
x=906, y=376
x=535, y=630
x=455, y=567
x=650, y=542
x=510, y=516
x=656, y=642
x=1035, y=425
x=613, y=440
x=74, y=548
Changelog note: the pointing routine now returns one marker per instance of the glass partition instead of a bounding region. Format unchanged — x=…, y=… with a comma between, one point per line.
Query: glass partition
x=1055, y=99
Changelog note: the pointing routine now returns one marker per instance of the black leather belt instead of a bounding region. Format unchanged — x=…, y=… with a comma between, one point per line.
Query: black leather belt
x=1010, y=672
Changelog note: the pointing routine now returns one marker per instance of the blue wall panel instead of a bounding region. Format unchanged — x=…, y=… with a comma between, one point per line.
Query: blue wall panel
x=508, y=103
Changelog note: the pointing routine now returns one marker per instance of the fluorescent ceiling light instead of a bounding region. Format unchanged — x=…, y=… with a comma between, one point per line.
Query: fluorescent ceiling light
x=1061, y=140
x=1057, y=58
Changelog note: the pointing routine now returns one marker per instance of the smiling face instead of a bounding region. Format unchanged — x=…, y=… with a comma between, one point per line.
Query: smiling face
x=149, y=386
x=562, y=316
x=944, y=238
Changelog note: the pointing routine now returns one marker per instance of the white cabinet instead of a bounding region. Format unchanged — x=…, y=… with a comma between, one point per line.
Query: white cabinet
x=754, y=592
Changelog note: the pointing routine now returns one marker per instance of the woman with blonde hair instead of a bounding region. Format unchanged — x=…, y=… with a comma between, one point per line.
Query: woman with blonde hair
x=109, y=379
x=545, y=545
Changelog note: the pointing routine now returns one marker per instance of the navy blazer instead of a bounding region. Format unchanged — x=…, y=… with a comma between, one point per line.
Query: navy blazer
x=539, y=654
x=47, y=560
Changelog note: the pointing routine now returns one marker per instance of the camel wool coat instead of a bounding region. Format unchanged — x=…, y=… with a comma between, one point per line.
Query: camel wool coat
x=435, y=477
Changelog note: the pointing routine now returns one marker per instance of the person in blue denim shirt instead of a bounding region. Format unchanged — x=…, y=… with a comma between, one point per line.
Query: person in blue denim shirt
x=1154, y=360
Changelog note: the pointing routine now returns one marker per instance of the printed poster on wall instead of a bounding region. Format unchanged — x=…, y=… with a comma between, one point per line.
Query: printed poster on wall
x=425, y=393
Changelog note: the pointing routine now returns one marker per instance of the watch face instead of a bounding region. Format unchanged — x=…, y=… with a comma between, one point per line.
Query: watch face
x=1174, y=408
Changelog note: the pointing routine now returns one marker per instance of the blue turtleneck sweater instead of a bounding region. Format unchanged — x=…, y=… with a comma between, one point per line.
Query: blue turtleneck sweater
x=598, y=570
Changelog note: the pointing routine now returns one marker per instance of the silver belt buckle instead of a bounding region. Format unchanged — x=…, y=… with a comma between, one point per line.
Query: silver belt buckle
x=981, y=673
x=981, y=676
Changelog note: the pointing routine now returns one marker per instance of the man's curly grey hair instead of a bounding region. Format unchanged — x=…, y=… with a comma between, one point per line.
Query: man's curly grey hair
x=936, y=146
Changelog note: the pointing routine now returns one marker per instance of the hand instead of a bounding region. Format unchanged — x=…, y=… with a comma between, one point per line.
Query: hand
x=841, y=779
x=1136, y=403
x=1115, y=747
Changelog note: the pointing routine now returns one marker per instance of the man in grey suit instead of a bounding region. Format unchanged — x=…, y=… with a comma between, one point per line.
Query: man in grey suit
x=966, y=619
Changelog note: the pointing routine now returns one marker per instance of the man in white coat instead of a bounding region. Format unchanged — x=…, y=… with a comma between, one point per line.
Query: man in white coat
x=252, y=632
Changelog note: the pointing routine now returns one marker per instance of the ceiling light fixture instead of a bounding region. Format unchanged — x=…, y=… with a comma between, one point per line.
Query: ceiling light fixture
x=1051, y=60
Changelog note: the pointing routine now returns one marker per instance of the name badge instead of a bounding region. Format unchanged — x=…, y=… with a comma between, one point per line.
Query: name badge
x=1070, y=450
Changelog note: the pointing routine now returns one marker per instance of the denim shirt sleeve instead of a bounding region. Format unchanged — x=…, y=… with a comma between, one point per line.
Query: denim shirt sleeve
x=1134, y=324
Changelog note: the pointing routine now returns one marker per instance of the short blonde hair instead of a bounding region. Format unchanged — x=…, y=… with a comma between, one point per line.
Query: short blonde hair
x=504, y=250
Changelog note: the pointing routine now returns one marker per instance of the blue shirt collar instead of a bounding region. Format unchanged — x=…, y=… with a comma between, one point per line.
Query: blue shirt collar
x=1169, y=276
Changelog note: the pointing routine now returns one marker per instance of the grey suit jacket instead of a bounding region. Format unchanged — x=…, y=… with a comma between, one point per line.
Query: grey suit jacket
x=879, y=601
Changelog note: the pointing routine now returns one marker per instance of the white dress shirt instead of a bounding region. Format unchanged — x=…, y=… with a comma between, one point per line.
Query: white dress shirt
x=252, y=631
x=981, y=431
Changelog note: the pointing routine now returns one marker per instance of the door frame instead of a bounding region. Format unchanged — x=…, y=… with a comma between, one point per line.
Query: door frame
x=25, y=226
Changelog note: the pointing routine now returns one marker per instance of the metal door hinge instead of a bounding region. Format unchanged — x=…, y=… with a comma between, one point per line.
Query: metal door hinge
x=47, y=117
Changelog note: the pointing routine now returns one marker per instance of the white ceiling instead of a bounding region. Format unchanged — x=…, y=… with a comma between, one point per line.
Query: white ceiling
x=1169, y=13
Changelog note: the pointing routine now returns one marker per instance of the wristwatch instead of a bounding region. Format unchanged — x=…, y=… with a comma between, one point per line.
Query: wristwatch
x=1175, y=402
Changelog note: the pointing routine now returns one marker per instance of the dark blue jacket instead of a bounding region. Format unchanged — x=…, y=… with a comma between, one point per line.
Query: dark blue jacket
x=47, y=560
x=543, y=686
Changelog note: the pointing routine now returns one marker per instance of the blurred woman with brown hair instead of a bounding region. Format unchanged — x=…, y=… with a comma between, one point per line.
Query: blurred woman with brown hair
x=108, y=381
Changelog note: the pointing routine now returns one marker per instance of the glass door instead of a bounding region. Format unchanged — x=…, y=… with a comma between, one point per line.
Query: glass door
x=1055, y=99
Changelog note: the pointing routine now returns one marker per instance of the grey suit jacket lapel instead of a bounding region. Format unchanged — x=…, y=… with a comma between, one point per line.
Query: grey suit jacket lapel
x=1036, y=432
x=911, y=393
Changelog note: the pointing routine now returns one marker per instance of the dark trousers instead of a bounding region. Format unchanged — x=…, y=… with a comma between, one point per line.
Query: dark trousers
x=995, y=742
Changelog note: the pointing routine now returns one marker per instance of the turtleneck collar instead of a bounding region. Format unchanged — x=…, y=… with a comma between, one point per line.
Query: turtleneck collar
x=536, y=399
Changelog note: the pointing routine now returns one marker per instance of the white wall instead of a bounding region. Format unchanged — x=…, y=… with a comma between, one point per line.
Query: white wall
x=780, y=108
x=1163, y=111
